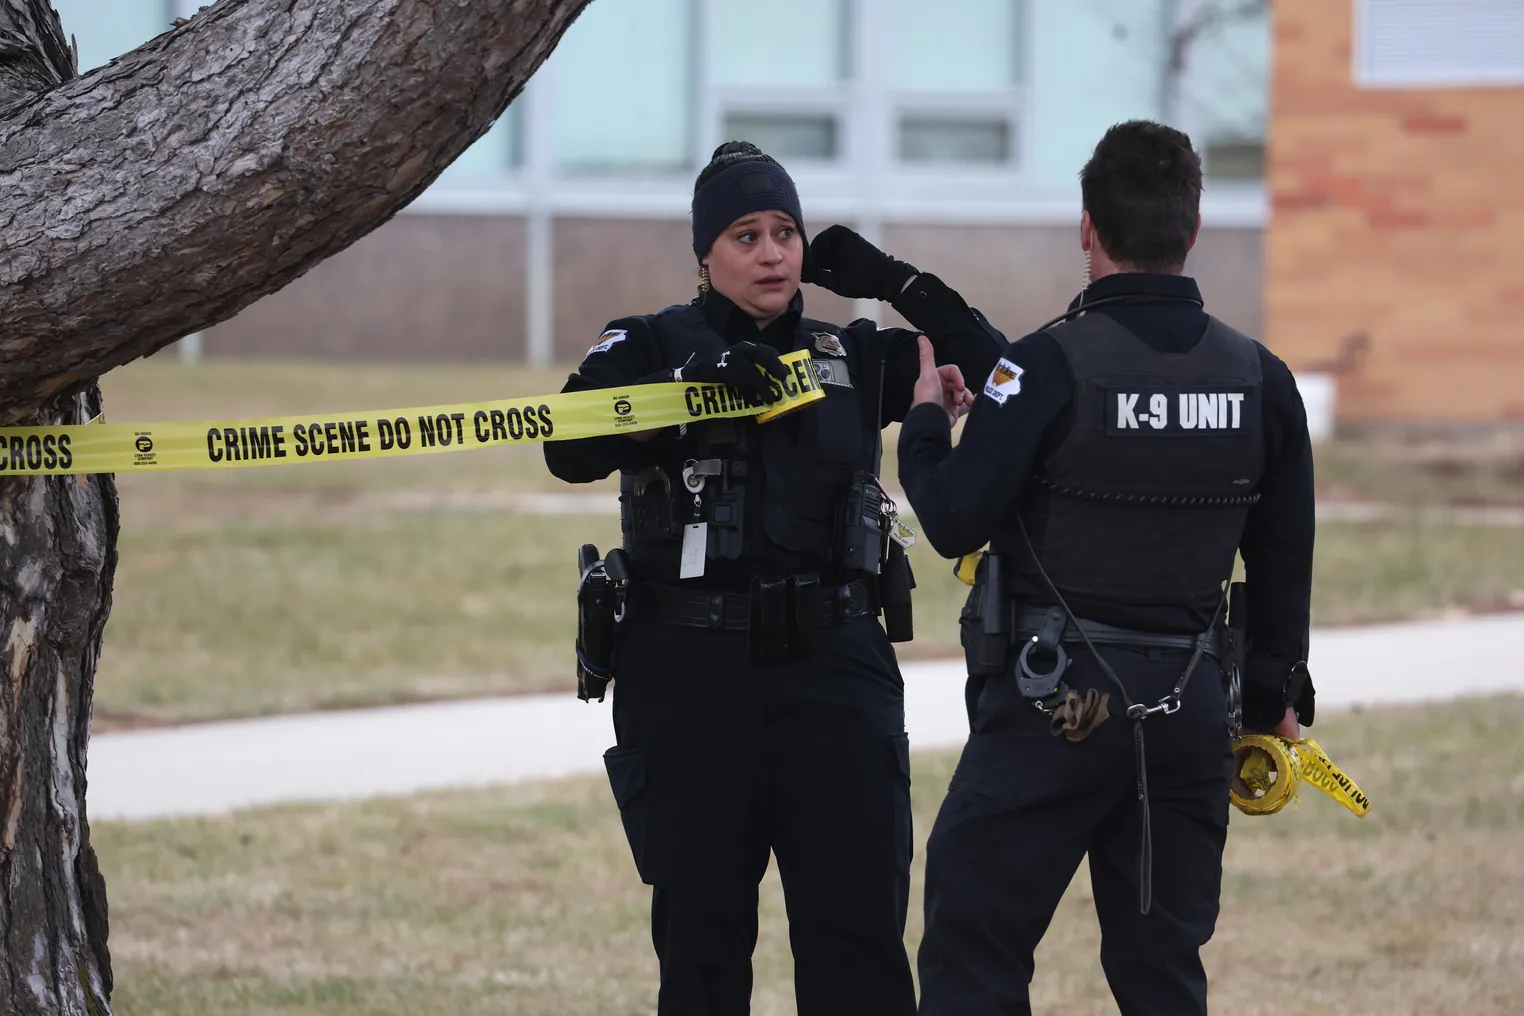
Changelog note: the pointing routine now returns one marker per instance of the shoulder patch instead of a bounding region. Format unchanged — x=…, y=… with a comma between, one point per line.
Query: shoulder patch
x=607, y=340
x=829, y=344
x=1004, y=381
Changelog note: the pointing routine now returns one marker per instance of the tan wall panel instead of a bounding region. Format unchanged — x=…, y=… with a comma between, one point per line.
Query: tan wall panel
x=421, y=287
x=1023, y=276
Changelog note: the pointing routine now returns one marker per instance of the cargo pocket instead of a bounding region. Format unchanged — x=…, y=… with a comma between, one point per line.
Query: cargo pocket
x=904, y=844
x=627, y=778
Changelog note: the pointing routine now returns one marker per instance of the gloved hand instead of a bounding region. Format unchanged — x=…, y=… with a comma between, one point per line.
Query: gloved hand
x=1272, y=686
x=847, y=265
x=741, y=367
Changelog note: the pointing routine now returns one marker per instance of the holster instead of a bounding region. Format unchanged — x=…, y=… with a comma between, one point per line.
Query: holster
x=768, y=636
x=986, y=622
x=600, y=605
x=894, y=584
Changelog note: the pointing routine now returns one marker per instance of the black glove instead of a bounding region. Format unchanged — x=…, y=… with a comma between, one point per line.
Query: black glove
x=847, y=265
x=1269, y=686
x=741, y=367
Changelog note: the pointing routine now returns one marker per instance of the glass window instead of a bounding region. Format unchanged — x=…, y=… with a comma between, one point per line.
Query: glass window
x=970, y=46
x=958, y=140
x=105, y=29
x=779, y=44
x=1234, y=159
x=622, y=87
x=786, y=135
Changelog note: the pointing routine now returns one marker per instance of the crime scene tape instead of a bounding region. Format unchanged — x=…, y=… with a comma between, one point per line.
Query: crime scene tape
x=1268, y=770
x=321, y=438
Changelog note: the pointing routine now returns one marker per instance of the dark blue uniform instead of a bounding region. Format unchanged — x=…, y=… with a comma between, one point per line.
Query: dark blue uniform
x=742, y=730
x=1136, y=460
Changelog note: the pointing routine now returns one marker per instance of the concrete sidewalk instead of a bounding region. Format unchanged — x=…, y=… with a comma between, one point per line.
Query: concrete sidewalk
x=213, y=768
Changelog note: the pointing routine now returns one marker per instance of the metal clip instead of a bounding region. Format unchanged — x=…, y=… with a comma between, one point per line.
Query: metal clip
x=1167, y=706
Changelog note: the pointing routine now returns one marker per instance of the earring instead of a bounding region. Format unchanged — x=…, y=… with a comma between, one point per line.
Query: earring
x=1087, y=270
x=703, y=286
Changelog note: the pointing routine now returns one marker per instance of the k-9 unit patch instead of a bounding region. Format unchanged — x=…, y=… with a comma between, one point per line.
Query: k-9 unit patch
x=1004, y=381
x=1133, y=411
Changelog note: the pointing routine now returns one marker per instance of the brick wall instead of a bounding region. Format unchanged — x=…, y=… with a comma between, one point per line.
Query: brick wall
x=1395, y=251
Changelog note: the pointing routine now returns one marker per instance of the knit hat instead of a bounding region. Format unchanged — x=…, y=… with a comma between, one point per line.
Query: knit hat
x=739, y=180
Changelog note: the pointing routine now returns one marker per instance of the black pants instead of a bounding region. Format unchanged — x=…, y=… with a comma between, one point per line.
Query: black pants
x=721, y=760
x=1025, y=807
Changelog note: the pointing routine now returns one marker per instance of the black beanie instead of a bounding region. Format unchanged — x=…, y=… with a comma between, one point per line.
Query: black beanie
x=754, y=183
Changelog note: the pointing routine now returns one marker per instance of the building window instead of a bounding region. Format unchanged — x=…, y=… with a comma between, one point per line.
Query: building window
x=105, y=29
x=955, y=76
x=800, y=135
x=933, y=139
x=622, y=89
x=777, y=74
x=1234, y=159
x=779, y=44
x=1429, y=43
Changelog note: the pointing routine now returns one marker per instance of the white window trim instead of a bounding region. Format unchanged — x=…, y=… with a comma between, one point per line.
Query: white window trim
x=1364, y=77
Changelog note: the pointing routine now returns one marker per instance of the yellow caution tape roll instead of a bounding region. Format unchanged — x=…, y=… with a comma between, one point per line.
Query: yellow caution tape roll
x=320, y=438
x=1268, y=770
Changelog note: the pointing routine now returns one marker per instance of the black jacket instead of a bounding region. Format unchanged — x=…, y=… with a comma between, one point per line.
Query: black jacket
x=963, y=496
x=959, y=334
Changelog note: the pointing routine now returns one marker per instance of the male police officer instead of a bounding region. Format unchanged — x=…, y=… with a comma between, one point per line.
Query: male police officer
x=1114, y=463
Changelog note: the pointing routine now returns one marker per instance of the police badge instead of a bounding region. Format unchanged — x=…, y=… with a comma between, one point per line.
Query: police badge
x=828, y=344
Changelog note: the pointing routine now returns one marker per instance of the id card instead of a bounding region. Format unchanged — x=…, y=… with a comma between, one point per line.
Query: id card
x=695, y=550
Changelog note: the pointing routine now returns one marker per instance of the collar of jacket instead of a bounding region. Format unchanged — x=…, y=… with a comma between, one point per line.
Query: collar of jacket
x=735, y=324
x=1180, y=287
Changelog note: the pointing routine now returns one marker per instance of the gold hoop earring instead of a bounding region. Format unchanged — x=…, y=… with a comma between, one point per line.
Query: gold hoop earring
x=1087, y=270
x=703, y=286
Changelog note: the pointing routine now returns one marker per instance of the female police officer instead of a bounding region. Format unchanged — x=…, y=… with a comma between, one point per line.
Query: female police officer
x=757, y=702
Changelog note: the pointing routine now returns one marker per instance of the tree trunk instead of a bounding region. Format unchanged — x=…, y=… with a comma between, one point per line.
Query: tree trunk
x=146, y=200
x=57, y=557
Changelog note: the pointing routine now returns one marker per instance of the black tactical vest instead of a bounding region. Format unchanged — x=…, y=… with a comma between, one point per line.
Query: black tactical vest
x=1147, y=495
x=773, y=492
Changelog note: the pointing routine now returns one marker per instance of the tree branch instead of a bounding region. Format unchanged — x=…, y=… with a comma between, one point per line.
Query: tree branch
x=165, y=192
x=34, y=54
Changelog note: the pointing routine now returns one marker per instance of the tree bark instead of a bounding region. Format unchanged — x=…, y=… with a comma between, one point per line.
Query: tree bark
x=170, y=189
x=146, y=200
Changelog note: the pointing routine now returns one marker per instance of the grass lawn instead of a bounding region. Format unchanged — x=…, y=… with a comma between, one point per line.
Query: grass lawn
x=523, y=899
x=278, y=589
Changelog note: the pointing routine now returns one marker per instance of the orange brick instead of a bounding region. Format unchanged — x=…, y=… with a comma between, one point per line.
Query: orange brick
x=1398, y=213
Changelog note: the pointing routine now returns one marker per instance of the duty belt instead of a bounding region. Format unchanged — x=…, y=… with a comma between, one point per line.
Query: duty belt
x=1030, y=625
x=779, y=614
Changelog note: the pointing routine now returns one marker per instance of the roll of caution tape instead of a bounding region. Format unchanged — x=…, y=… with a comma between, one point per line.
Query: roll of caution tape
x=98, y=447
x=1269, y=770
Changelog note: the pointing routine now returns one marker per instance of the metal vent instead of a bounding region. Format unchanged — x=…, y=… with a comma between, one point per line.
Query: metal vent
x=1438, y=43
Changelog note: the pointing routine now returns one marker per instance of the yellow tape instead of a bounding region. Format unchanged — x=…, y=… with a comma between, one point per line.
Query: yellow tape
x=967, y=568
x=1268, y=770
x=99, y=447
